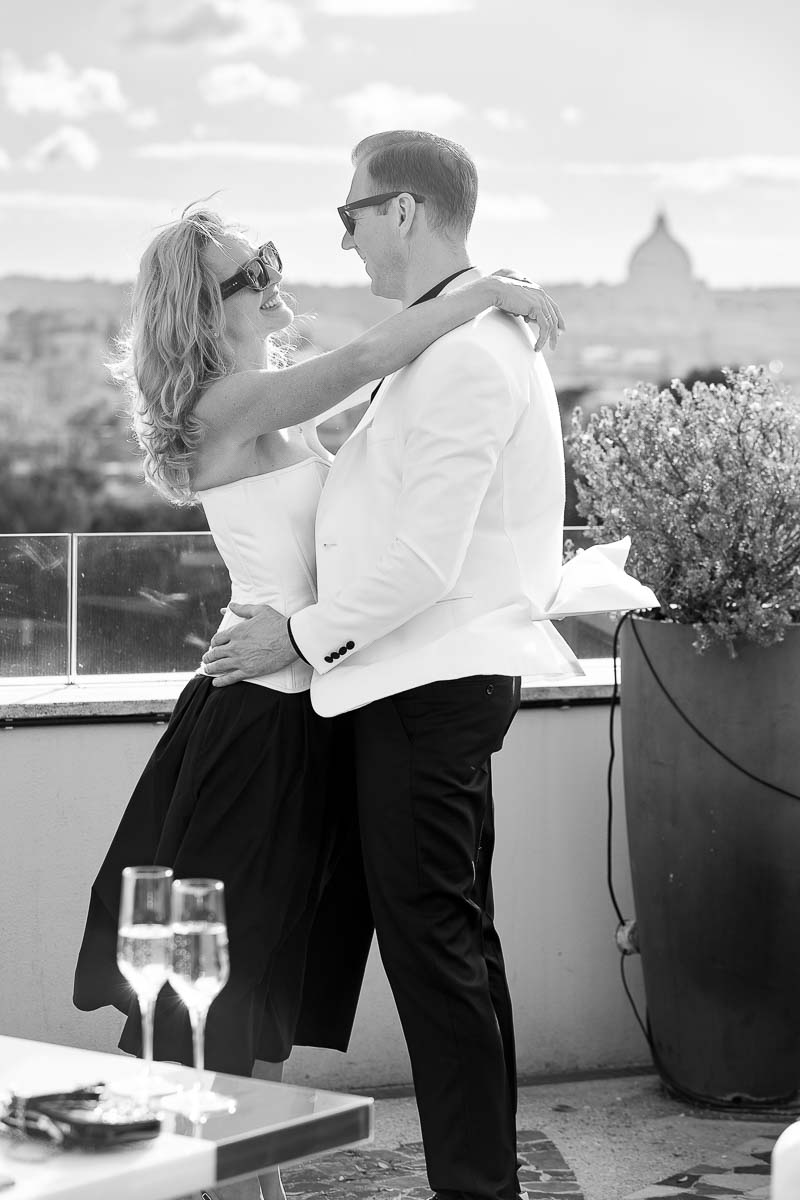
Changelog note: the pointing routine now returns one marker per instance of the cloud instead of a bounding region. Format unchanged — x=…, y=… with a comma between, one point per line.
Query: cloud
x=142, y=118
x=571, y=114
x=495, y=206
x=504, y=119
x=232, y=82
x=82, y=205
x=392, y=8
x=183, y=22
x=148, y=215
x=346, y=43
x=714, y=175
x=285, y=152
x=702, y=175
x=56, y=87
x=224, y=25
x=67, y=144
x=384, y=106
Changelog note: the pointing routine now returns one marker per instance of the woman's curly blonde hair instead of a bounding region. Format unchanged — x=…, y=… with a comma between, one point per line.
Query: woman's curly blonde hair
x=173, y=348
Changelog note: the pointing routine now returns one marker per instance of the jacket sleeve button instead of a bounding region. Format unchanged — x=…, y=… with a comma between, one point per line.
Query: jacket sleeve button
x=351, y=645
x=328, y=658
x=343, y=649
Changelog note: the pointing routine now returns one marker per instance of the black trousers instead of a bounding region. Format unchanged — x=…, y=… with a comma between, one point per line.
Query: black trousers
x=427, y=832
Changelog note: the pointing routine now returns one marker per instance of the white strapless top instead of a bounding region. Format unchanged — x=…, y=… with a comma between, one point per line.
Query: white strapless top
x=263, y=528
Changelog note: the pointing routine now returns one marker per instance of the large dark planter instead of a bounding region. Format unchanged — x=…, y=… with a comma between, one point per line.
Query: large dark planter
x=715, y=860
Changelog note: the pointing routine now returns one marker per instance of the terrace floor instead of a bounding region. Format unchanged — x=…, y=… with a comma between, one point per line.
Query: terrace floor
x=618, y=1138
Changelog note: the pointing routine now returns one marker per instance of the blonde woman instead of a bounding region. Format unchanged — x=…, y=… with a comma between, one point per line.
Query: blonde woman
x=247, y=784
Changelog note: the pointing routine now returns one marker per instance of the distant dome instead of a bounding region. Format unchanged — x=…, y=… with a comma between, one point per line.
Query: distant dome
x=660, y=259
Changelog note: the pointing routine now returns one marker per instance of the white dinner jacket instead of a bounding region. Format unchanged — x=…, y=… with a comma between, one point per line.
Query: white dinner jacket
x=440, y=527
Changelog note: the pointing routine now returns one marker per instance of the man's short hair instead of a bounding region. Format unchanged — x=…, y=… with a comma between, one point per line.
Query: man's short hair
x=416, y=161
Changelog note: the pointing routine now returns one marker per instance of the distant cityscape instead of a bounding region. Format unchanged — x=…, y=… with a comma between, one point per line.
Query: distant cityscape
x=59, y=409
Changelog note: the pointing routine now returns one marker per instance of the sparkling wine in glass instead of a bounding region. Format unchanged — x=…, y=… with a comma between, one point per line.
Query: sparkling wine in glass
x=199, y=971
x=144, y=955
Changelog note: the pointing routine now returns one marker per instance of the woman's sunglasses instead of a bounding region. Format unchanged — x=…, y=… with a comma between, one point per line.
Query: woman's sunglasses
x=258, y=273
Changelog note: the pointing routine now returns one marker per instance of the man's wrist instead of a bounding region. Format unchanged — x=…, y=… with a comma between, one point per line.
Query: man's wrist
x=297, y=649
x=489, y=286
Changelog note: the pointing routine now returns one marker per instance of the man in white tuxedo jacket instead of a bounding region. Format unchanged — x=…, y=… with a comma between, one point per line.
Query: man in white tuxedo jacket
x=439, y=546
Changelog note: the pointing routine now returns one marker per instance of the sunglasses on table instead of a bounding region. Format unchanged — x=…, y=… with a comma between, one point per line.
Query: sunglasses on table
x=258, y=273
x=344, y=210
x=85, y=1118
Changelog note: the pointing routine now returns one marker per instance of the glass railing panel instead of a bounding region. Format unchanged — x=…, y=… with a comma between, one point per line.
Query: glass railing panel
x=34, y=605
x=146, y=603
x=578, y=537
x=79, y=605
x=589, y=636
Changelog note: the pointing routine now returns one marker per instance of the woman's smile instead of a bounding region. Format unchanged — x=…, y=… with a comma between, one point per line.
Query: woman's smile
x=273, y=299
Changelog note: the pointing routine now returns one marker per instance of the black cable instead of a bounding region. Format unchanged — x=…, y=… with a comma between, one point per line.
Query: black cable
x=612, y=755
x=644, y=1028
x=610, y=825
x=738, y=766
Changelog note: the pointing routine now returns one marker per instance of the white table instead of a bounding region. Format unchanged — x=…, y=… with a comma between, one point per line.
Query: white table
x=274, y=1124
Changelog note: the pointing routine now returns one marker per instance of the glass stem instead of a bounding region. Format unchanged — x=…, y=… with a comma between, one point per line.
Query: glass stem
x=147, y=1004
x=198, y=1018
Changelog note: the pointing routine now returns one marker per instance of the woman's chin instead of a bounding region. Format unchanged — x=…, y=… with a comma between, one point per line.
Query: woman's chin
x=277, y=318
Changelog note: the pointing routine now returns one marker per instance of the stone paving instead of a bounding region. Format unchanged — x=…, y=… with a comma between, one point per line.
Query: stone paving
x=745, y=1173
x=399, y=1174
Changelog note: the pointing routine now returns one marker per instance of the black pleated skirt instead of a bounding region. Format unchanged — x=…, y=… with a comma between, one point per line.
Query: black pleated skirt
x=249, y=786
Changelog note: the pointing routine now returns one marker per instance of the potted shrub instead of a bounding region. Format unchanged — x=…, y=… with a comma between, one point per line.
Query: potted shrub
x=707, y=483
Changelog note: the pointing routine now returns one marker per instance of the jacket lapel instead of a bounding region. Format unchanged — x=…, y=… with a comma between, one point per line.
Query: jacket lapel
x=369, y=415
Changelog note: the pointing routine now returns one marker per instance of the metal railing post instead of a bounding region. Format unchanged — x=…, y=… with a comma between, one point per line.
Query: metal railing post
x=72, y=611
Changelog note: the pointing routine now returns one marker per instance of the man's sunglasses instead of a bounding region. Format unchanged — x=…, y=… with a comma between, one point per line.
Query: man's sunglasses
x=257, y=273
x=344, y=210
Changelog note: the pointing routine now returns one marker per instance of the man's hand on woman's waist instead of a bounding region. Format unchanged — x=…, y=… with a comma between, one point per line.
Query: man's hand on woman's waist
x=259, y=644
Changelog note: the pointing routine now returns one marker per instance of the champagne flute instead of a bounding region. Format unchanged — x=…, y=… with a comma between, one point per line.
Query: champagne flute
x=198, y=973
x=144, y=954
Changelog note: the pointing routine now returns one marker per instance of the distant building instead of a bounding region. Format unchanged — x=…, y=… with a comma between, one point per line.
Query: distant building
x=663, y=322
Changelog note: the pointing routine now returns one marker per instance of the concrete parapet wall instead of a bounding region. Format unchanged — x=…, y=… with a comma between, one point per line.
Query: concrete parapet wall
x=64, y=787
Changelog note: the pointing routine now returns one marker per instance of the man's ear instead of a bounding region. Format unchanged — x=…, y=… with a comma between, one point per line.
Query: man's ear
x=407, y=206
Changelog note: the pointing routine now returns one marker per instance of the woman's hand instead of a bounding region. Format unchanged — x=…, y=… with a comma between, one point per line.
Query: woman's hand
x=518, y=295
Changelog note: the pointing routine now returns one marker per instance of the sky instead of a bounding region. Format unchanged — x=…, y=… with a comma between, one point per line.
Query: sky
x=584, y=118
